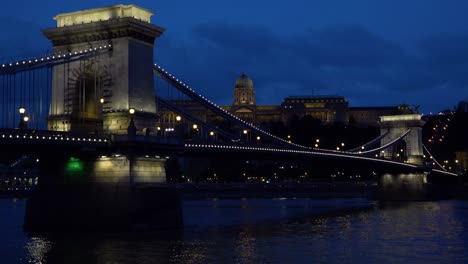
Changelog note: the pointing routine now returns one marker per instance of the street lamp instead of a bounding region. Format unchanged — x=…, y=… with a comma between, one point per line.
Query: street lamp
x=212, y=133
x=178, y=118
x=26, y=118
x=195, y=126
x=22, y=124
x=258, y=137
x=101, y=100
x=131, y=130
x=245, y=131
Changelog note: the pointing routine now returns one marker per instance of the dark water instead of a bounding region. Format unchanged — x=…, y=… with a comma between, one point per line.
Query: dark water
x=261, y=231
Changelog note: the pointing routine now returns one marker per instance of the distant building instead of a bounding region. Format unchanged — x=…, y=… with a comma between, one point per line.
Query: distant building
x=369, y=116
x=329, y=109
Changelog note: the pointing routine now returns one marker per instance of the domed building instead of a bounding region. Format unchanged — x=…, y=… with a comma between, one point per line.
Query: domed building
x=244, y=99
x=329, y=109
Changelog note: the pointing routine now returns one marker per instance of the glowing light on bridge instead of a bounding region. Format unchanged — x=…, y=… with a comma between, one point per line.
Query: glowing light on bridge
x=308, y=153
x=52, y=57
x=186, y=89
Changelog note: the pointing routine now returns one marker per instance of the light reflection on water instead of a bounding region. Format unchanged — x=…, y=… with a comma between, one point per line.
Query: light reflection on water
x=261, y=231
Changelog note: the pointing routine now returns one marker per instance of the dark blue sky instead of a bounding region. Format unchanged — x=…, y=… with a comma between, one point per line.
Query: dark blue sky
x=373, y=52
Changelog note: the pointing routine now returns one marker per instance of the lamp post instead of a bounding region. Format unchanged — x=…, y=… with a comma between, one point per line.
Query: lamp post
x=246, y=133
x=195, y=129
x=212, y=137
x=22, y=124
x=158, y=131
x=25, y=122
x=131, y=130
x=179, y=130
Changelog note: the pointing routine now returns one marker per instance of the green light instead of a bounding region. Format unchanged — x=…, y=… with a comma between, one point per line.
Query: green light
x=74, y=168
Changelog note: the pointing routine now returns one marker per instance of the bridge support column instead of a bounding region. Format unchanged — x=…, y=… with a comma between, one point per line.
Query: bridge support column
x=403, y=187
x=82, y=193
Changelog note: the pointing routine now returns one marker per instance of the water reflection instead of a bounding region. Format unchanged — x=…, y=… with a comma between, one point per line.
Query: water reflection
x=37, y=248
x=269, y=231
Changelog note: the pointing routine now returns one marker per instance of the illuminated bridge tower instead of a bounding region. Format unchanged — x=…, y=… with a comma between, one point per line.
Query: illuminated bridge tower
x=83, y=189
x=398, y=185
x=410, y=149
x=96, y=94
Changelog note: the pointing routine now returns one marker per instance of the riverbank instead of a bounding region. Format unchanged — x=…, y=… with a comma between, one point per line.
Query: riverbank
x=319, y=190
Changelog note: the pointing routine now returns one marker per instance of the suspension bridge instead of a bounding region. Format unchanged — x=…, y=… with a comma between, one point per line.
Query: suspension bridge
x=99, y=97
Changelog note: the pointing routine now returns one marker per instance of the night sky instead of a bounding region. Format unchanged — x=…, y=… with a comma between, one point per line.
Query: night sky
x=376, y=53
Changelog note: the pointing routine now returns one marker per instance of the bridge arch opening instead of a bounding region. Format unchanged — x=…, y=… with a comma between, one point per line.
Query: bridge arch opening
x=399, y=152
x=86, y=104
x=85, y=107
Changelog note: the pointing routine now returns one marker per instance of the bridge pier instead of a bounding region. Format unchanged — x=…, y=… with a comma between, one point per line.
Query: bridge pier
x=403, y=187
x=117, y=193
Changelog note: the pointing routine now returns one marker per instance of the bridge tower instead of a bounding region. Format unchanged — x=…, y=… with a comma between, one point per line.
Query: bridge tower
x=79, y=190
x=397, y=185
x=95, y=94
x=410, y=149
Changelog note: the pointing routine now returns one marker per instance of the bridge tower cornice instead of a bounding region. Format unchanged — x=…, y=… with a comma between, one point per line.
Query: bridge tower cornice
x=401, y=121
x=104, y=30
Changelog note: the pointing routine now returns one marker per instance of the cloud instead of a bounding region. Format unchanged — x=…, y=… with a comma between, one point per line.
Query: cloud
x=342, y=59
x=22, y=40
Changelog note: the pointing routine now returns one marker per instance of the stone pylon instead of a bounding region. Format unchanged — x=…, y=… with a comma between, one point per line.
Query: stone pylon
x=96, y=93
x=411, y=148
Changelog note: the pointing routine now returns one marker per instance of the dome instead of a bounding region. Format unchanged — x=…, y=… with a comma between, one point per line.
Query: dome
x=244, y=82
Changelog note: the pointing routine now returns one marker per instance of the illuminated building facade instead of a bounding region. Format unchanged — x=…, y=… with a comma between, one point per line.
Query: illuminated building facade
x=329, y=109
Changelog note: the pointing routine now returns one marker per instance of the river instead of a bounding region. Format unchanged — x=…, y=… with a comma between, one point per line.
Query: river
x=274, y=230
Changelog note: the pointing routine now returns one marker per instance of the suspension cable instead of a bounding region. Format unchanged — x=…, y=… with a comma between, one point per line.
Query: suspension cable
x=370, y=143
x=434, y=159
